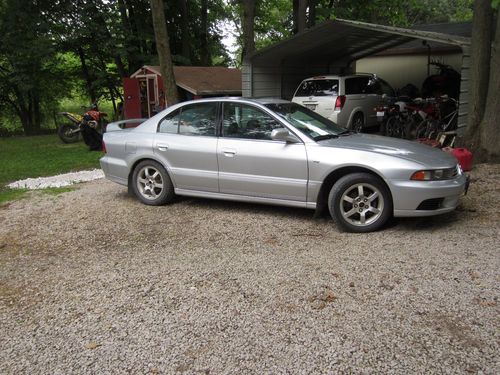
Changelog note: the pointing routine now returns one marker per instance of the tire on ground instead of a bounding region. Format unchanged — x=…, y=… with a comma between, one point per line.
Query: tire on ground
x=166, y=195
x=337, y=205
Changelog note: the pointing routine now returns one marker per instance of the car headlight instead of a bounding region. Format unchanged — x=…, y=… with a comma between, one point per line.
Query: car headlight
x=436, y=174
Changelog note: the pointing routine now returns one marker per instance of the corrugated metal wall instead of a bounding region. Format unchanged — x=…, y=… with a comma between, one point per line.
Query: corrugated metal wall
x=463, y=106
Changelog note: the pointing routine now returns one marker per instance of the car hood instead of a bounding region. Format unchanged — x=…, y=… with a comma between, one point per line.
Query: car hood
x=409, y=150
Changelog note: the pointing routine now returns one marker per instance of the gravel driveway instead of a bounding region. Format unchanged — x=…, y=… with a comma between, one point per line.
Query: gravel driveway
x=93, y=282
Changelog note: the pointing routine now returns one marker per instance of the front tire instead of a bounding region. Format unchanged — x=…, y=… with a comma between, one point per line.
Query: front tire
x=151, y=183
x=360, y=203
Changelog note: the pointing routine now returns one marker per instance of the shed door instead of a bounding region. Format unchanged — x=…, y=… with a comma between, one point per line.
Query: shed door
x=132, y=105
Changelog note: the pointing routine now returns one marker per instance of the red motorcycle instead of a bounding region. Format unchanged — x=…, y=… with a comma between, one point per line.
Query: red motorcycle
x=91, y=125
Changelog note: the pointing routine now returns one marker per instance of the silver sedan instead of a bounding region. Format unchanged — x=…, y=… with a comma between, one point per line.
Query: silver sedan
x=277, y=152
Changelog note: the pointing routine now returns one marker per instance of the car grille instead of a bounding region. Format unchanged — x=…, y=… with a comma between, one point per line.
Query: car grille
x=430, y=204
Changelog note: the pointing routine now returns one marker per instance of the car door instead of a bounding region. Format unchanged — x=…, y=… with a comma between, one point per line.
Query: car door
x=251, y=163
x=186, y=142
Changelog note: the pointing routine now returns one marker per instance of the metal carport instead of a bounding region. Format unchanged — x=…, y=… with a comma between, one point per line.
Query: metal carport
x=330, y=48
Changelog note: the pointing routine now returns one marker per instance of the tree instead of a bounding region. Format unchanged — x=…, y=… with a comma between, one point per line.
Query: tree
x=482, y=134
x=249, y=7
x=32, y=76
x=163, y=49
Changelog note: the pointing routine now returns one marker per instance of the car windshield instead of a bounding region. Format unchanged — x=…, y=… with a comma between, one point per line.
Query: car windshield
x=306, y=121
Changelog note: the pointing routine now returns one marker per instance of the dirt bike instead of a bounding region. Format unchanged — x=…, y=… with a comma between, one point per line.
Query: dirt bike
x=90, y=125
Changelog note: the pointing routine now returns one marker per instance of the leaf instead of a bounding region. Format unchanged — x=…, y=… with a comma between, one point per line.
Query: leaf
x=92, y=345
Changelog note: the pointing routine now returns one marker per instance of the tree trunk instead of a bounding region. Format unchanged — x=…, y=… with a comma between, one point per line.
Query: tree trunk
x=185, y=37
x=311, y=20
x=86, y=75
x=138, y=37
x=248, y=27
x=126, y=27
x=490, y=124
x=205, y=54
x=295, y=6
x=482, y=30
x=301, y=17
x=163, y=50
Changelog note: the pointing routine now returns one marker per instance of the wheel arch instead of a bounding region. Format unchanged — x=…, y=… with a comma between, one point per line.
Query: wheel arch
x=334, y=176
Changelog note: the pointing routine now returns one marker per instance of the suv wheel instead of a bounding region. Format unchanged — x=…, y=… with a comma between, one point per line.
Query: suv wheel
x=358, y=123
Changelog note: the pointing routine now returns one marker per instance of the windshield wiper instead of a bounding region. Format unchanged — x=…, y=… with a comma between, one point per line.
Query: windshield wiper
x=346, y=132
x=325, y=136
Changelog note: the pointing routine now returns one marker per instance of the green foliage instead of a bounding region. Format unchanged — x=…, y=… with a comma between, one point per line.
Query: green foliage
x=32, y=73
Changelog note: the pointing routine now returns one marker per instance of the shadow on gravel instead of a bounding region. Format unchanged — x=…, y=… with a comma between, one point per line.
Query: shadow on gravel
x=428, y=223
x=256, y=208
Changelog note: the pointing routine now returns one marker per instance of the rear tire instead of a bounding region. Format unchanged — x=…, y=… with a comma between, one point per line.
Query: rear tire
x=358, y=123
x=391, y=127
x=152, y=184
x=65, y=132
x=360, y=203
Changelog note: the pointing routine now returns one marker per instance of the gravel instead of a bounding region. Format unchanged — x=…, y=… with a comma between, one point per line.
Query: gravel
x=94, y=282
x=60, y=180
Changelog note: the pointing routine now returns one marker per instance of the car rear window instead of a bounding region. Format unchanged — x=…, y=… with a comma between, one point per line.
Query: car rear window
x=318, y=87
x=356, y=85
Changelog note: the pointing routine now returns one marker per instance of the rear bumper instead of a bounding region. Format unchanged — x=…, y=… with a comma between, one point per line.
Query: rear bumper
x=114, y=169
x=409, y=195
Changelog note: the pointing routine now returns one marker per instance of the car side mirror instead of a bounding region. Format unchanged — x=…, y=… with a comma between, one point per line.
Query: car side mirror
x=282, y=134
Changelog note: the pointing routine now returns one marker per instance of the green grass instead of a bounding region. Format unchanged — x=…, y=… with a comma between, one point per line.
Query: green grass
x=7, y=195
x=58, y=190
x=23, y=157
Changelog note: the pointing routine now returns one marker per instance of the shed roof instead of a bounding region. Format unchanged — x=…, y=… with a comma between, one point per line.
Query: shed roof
x=203, y=80
x=346, y=39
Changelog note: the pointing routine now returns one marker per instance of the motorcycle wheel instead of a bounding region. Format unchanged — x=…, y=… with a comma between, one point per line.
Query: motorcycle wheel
x=65, y=132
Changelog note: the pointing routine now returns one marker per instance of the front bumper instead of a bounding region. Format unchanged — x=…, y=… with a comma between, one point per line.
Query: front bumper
x=409, y=195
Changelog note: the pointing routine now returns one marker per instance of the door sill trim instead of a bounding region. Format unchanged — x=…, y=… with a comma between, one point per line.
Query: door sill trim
x=245, y=198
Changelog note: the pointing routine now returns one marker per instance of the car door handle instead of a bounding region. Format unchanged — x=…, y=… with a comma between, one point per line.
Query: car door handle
x=228, y=152
x=162, y=146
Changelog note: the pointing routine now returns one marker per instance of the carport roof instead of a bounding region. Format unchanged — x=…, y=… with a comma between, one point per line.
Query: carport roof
x=345, y=39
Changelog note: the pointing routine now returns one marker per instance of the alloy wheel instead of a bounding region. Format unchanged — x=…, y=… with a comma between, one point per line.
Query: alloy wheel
x=361, y=204
x=149, y=182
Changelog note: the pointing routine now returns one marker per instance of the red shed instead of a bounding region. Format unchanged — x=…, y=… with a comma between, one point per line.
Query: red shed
x=143, y=91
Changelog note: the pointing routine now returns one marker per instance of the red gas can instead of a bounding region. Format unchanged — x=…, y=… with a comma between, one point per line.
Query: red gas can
x=463, y=155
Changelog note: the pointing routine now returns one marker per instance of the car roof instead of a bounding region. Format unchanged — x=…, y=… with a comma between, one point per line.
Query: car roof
x=263, y=101
x=337, y=76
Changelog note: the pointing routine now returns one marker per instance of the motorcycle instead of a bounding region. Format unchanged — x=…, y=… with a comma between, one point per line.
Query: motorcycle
x=91, y=125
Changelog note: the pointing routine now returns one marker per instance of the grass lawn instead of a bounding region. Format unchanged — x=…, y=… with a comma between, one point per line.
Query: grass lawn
x=38, y=156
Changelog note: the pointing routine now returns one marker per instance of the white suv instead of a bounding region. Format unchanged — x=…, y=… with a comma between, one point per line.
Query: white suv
x=348, y=100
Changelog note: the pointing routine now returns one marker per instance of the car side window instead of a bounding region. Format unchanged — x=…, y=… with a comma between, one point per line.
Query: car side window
x=373, y=87
x=198, y=119
x=386, y=88
x=170, y=123
x=356, y=85
x=243, y=121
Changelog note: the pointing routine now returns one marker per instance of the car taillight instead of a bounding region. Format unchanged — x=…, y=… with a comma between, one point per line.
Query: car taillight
x=339, y=102
x=103, y=147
